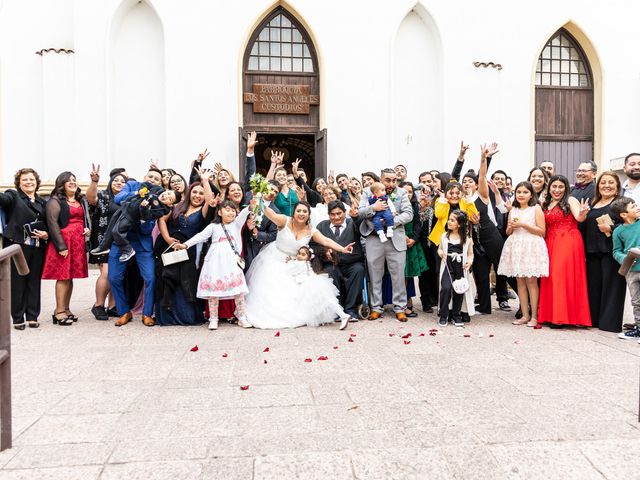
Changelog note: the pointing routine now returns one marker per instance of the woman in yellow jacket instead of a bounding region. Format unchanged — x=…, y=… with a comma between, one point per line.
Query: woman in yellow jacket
x=450, y=199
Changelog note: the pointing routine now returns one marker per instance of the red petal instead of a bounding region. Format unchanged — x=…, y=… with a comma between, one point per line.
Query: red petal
x=195, y=348
x=491, y=335
x=421, y=335
x=350, y=340
x=408, y=335
x=266, y=350
x=407, y=342
x=433, y=330
x=277, y=334
x=352, y=335
x=433, y=334
x=244, y=387
x=224, y=355
x=392, y=334
x=307, y=360
x=264, y=361
x=335, y=348
x=517, y=342
x=323, y=357
x=537, y=327
x=466, y=335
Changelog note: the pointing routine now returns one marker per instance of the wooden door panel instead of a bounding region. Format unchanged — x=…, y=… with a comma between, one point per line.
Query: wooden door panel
x=565, y=155
x=564, y=112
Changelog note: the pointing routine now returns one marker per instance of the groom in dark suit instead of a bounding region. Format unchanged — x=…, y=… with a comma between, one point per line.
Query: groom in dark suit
x=347, y=272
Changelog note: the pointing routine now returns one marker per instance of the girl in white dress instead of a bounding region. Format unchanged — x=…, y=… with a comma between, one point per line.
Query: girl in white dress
x=221, y=277
x=275, y=299
x=524, y=254
x=317, y=294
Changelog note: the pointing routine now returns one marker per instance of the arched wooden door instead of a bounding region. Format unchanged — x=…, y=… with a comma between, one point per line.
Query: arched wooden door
x=281, y=94
x=564, y=105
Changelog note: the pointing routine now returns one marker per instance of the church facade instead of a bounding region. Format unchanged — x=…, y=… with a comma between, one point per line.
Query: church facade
x=345, y=86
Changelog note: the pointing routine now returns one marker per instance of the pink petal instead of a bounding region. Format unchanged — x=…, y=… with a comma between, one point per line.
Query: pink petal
x=307, y=360
x=323, y=357
x=195, y=348
x=244, y=387
x=265, y=350
x=352, y=335
x=517, y=342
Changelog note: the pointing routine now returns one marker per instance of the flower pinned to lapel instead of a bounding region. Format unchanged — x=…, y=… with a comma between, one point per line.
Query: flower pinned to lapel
x=244, y=387
x=394, y=196
x=195, y=348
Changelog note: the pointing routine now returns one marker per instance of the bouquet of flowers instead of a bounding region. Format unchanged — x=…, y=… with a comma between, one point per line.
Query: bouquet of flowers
x=259, y=186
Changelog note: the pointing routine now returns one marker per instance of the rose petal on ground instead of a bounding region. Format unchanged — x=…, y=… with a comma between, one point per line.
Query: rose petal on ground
x=433, y=334
x=407, y=342
x=244, y=387
x=407, y=335
x=433, y=330
x=224, y=355
x=323, y=357
x=195, y=348
x=491, y=335
x=265, y=362
x=353, y=335
x=335, y=348
x=467, y=335
x=265, y=350
x=277, y=334
x=307, y=360
x=392, y=334
x=350, y=340
x=517, y=342
x=421, y=335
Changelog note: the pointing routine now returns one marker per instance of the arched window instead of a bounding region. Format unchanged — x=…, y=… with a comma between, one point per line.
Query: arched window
x=562, y=63
x=281, y=46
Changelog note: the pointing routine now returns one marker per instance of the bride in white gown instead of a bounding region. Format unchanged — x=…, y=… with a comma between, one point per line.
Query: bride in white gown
x=275, y=299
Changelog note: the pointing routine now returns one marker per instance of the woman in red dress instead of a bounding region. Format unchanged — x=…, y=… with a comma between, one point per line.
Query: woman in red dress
x=563, y=294
x=66, y=258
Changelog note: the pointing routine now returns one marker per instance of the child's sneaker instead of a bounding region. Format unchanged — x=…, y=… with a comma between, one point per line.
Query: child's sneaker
x=457, y=322
x=126, y=255
x=213, y=323
x=630, y=334
x=382, y=237
x=243, y=322
x=390, y=232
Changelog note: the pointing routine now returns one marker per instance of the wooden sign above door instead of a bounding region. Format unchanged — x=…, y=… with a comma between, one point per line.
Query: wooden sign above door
x=285, y=99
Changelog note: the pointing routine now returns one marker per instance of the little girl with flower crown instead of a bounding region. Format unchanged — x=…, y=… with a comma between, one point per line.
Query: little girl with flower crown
x=221, y=276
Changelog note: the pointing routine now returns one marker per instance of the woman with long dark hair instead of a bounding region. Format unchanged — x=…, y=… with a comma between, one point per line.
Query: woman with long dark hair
x=176, y=302
x=102, y=206
x=539, y=179
x=563, y=294
x=26, y=226
x=605, y=287
x=69, y=227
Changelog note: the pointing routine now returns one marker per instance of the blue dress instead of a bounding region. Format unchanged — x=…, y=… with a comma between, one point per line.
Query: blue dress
x=183, y=310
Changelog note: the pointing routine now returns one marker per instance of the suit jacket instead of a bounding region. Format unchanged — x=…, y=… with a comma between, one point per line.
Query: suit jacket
x=267, y=232
x=350, y=234
x=142, y=234
x=405, y=215
x=20, y=210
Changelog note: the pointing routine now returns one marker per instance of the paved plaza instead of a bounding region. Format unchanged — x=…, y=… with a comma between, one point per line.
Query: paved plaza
x=490, y=401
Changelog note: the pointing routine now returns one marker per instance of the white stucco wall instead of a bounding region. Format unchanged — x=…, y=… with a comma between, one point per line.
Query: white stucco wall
x=361, y=107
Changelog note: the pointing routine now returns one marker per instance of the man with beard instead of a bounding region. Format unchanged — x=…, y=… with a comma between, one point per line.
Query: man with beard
x=631, y=187
x=585, y=186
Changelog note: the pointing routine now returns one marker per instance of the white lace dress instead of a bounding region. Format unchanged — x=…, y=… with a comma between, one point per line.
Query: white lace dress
x=276, y=299
x=524, y=254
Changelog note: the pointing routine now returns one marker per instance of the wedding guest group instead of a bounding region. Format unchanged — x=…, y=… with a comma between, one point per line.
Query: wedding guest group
x=286, y=251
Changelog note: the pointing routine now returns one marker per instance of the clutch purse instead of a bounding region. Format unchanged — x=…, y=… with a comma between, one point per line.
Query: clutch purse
x=177, y=256
x=29, y=228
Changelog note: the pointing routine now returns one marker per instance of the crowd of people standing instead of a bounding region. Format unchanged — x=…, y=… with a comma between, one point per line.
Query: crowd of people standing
x=198, y=249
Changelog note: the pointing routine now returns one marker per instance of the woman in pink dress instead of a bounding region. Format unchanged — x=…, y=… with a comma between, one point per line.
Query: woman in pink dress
x=563, y=294
x=68, y=221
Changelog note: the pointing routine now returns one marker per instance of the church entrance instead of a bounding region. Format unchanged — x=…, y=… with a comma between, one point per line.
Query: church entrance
x=281, y=96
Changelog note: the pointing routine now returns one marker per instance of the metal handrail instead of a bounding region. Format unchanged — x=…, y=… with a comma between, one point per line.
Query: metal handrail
x=6, y=254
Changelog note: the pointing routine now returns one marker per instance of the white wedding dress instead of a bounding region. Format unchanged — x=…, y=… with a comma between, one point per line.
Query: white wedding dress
x=277, y=300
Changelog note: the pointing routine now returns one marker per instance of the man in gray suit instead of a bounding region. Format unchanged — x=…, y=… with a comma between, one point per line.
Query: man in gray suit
x=393, y=252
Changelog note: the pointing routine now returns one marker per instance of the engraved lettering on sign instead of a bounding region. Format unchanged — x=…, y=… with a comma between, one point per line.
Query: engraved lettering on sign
x=267, y=98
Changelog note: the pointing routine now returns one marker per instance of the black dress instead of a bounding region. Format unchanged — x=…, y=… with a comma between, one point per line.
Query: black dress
x=606, y=289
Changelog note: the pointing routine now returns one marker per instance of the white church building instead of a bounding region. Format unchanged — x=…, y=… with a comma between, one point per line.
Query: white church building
x=345, y=85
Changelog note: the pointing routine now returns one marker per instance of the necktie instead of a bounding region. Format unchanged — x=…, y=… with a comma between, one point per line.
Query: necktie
x=337, y=231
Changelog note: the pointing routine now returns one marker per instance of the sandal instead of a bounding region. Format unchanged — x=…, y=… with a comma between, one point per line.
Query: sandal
x=61, y=321
x=410, y=313
x=532, y=323
x=71, y=315
x=521, y=321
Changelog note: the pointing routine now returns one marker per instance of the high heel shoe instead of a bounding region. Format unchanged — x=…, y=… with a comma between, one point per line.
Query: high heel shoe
x=71, y=315
x=61, y=321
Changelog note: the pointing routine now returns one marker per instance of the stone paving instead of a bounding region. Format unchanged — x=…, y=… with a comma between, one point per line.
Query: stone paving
x=492, y=401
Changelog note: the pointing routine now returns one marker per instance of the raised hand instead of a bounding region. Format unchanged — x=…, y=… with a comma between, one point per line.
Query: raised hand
x=584, y=207
x=492, y=150
x=205, y=174
x=251, y=141
x=215, y=200
x=279, y=158
x=294, y=167
x=302, y=194
x=153, y=163
x=353, y=211
x=217, y=167
x=463, y=150
x=95, y=173
x=484, y=151
x=493, y=187
x=331, y=178
x=202, y=155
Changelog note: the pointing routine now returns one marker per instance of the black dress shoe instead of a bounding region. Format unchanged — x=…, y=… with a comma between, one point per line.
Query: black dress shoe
x=112, y=312
x=556, y=326
x=518, y=314
x=428, y=309
x=99, y=312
